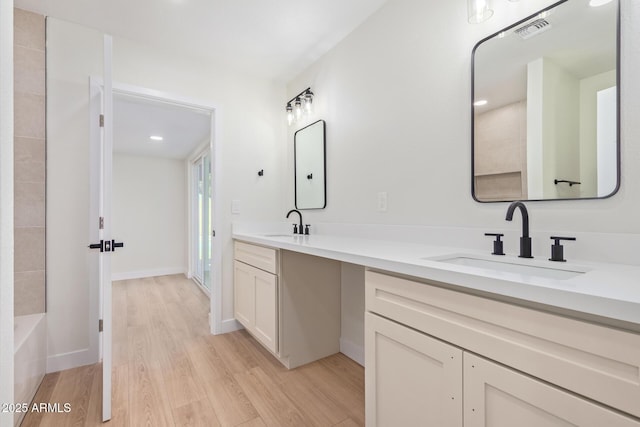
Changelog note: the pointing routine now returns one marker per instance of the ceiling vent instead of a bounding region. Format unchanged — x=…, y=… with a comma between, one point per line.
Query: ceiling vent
x=533, y=29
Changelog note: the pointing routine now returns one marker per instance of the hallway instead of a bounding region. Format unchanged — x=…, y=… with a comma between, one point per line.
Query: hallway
x=168, y=371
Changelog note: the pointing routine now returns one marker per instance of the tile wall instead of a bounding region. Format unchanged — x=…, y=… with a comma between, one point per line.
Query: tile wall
x=29, y=162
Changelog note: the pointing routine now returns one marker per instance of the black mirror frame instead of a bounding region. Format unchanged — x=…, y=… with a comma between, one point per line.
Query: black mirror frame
x=324, y=165
x=618, y=106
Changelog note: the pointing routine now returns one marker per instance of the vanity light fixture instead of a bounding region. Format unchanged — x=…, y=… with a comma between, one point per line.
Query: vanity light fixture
x=299, y=105
x=478, y=11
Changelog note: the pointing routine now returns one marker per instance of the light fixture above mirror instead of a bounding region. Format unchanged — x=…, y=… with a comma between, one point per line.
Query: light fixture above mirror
x=299, y=106
x=478, y=11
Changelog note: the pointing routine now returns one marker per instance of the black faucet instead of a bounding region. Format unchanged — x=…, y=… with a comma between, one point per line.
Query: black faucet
x=296, y=229
x=525, y=240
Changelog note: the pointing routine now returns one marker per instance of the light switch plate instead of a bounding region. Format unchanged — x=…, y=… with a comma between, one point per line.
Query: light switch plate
x=382, y=201
x=235, y=206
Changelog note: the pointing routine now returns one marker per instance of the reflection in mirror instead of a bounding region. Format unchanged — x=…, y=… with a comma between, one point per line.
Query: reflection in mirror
x=545, y=106
x=309, y=167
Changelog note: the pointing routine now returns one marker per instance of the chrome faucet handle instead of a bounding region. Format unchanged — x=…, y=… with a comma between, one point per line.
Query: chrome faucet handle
x=498, y=245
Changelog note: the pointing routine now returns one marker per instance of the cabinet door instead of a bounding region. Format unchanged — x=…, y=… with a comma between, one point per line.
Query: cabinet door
x=266, y=309
x=496, y=396
x=244, y=294
x=411, y=379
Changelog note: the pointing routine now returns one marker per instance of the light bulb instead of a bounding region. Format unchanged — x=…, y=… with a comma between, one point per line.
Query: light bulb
x=298, y=108
x=289, y=113
x=308, y=97
x=478, y=11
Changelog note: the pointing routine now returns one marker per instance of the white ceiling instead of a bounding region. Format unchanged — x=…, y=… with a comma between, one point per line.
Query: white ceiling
x=135, y=119
x=275, y=38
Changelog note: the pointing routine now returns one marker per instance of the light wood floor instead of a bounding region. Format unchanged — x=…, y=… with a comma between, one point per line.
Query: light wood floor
x=168, y=371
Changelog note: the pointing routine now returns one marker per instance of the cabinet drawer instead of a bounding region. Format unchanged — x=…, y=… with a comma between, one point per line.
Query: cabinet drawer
x=263, y=258
x=595, y=361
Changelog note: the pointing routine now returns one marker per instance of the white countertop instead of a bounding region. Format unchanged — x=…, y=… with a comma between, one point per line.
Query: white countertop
x=611, y=291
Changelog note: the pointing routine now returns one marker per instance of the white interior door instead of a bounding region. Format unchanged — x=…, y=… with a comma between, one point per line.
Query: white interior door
x=101, y=154
x=105, y=273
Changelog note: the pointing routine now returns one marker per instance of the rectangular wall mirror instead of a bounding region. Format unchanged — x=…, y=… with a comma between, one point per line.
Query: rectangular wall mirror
x=545, y=114
x=309, y=167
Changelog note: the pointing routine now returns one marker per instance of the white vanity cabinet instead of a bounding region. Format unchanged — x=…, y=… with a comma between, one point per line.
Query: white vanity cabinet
x=417, y=379
x=519, y=366
x=256, y=292
x=289, y=301
x=496, y=396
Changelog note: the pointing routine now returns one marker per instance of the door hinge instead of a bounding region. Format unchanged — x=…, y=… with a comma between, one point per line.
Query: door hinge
x=213, y=233
x=101, y=120
x=101, y=223
x=100, y=325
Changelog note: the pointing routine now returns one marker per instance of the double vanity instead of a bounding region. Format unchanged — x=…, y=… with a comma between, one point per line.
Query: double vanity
x=453, y=336
x=456, y=335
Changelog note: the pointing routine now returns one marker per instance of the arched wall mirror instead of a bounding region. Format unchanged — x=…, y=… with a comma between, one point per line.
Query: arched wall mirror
x=545, y=114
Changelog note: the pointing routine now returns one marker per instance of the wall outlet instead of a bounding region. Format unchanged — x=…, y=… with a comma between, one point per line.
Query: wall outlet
x=235, y=206
x=382, y=201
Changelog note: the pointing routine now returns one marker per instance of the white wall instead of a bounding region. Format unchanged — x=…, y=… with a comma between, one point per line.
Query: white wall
x=149, y=216
x=249, y=137
x=395, y=94
x=560, y=125
x=589, y=88
x=6, y=209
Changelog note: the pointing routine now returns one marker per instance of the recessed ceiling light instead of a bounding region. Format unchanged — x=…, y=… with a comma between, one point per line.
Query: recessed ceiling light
x=156, y=138
x=480, y=103
x=596, y=3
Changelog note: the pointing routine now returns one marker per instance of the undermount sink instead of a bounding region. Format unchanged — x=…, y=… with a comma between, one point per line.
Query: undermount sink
x=512, y=266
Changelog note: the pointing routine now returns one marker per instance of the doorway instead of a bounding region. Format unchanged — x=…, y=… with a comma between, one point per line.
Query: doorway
x=153, y=143
x=158, y=100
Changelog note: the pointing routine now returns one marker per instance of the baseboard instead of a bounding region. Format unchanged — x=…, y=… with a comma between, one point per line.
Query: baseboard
x=352, y=351
x=226, y=326
x=129, y=275
x=60, y=362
